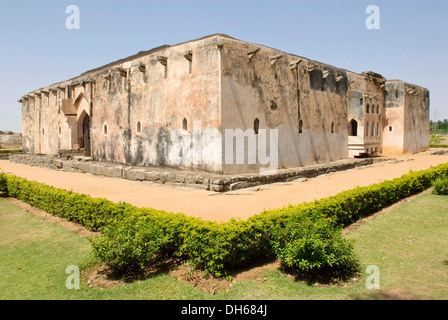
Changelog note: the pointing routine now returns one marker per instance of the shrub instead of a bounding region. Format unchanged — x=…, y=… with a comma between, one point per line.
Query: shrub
x=441, y=186
x=311, y=242
x=130, y=244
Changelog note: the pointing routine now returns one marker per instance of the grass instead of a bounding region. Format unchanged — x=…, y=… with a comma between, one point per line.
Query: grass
x=34, y=255
x=438, y=140
x=409, y=245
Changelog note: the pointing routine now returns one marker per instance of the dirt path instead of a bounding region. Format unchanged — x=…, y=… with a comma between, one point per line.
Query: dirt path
x=222, y=207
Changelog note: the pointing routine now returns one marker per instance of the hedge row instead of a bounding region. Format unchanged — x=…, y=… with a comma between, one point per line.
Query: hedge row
x=11, y=151
x=92, y=213
x=303, y=242
x=438, y=145
x=305, y=237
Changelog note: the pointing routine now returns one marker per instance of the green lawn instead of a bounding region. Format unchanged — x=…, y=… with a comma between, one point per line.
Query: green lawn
x=409, y=246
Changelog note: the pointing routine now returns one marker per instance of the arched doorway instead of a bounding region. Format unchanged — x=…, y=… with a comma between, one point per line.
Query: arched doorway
x=85, y=141
x=353, y=128
x=81, y=132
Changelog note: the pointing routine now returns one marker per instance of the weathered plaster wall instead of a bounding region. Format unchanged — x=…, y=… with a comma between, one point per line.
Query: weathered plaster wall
x=406, y=127
x=215, y=84
x=45, y=127
x=393, y=132
x=28, y=116
x=280, y=96
x=49, y=119
x=65, y=135
x=165, y=103
x=416, y=118
x=143, y=103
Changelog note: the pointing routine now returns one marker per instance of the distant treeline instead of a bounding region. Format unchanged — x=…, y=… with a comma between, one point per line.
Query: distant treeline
x=440, y=126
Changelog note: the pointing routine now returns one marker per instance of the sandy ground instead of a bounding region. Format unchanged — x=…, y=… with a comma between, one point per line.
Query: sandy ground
x=222, y=207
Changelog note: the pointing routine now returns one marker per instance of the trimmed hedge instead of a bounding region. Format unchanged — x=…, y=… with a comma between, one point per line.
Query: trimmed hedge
x=92, y=213
x=11, y=151
x=435, y=145
x=305, y=237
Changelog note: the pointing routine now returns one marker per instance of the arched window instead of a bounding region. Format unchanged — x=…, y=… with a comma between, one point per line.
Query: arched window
x=256, y=125
x=373, y=129
x=378, y=109
x=377, y=129
x=184, y=124
x=139, y=127
x=105, y=129
x=367, y=129
x=332, y=127
x=353, y=128
x=367, y=108
x=300, y=126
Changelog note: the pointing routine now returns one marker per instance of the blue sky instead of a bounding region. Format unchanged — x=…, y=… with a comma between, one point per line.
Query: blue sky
x=38, y=50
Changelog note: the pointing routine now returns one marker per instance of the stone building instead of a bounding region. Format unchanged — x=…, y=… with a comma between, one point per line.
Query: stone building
x=225, y=106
